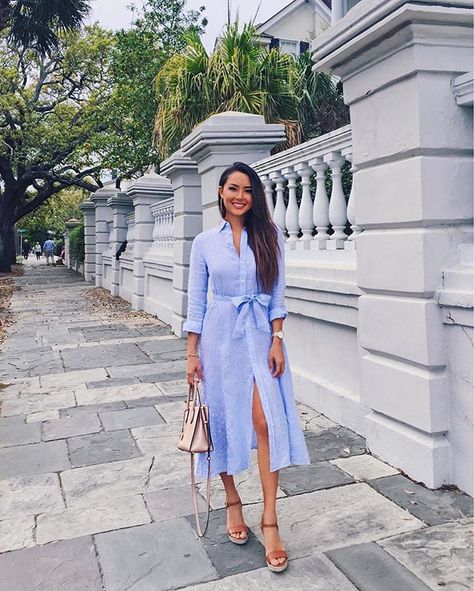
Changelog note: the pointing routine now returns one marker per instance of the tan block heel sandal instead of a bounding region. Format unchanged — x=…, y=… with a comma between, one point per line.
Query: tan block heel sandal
x=275, y=554
x=237, y=529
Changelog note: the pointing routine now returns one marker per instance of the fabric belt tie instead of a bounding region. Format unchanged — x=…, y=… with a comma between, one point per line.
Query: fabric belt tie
x=249, y=306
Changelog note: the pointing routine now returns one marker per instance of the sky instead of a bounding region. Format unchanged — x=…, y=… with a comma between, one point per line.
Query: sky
x=113, y=14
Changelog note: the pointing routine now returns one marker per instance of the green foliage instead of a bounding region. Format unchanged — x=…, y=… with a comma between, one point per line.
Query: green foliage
x=37, y=24
x=126, y=144
x=242, y=75
x=76, y=244
x=53, y=215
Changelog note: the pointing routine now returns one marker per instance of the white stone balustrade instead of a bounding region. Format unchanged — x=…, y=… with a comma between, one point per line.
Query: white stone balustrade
x=163, y=230
x=291, y=172
x=130, y=219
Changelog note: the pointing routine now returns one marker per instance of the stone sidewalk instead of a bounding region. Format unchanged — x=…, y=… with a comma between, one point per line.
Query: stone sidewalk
x=94, y=494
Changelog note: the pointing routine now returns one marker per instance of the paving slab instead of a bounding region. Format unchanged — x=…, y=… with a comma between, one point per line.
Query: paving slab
x=150, y=401
x=431, y=506
x=162, y=376
x=71, y=426
x=29, y=495
x=35, y=458
x=101, y=482
x=42, y=415
x=16, y=533
x=370, y=568
x=441, y=556
x=364, y=467
x=177, y=387
x=334, y=517
x=130, y=417
x=19, y=434
x=103, y=355
x=102, y=447
x=116, y=394
x=159, y=350
x=91, y=409
x=172, y=502
x=172, y=412
x=31, y=363
x=70, y=565
x=301, y=479
x=312, y=573
x=113, y=382
x=78, y=521
x=155, y=557
x=123, y=371
x=74, y=377
x=30, y=402
x=334, y=443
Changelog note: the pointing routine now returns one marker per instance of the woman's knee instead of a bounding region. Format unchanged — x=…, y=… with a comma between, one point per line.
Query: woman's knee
x=260, y=425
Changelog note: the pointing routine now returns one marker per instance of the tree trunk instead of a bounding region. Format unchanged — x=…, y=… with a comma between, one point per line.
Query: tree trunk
x=7, y=243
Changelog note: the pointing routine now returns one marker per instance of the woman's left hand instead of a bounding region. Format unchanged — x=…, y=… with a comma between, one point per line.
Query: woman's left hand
x=276, y=359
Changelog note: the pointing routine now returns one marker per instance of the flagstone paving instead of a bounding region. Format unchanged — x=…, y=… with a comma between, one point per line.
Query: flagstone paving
x=94, y=495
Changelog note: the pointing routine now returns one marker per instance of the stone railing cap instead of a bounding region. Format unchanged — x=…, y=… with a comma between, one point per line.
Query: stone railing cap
x=87, y=205
x=120, y=198
x=337, y=43
x=177, y=161
x=149, y=184
x=105, y=192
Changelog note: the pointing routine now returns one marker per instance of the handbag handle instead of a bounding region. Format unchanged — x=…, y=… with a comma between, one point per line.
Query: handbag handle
x=195, y=395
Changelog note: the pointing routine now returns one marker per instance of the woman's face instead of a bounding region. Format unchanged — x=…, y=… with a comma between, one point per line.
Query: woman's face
x=237, y=194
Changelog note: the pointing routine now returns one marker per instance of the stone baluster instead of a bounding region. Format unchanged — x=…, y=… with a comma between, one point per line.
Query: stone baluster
x=351, y=208
x=306, y=206
x=279, y=213
x=292, y=223
x=103, y=215
x=130, y=218
x=337, y=203
x=320, y=205
x=268, y=187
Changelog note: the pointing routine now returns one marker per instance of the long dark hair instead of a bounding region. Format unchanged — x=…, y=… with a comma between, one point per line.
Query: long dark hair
x=261, y=230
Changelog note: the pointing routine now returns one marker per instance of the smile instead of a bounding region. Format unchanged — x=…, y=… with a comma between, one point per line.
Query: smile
x=238, y=205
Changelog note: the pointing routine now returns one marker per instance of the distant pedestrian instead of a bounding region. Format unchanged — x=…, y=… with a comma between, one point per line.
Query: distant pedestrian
x=26, y=248
x=48, y=250
x=37, y=249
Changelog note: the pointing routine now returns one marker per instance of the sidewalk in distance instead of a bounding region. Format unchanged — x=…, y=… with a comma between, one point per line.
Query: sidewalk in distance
x=94, y=494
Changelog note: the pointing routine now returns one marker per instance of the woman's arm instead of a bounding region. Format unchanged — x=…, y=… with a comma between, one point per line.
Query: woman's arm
x=197, y=302
x=277, y=312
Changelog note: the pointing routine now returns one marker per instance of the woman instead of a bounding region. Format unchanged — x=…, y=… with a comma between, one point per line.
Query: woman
x=38, y=251
x=242, y=360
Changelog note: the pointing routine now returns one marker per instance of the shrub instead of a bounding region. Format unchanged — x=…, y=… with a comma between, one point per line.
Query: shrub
x=76, y=244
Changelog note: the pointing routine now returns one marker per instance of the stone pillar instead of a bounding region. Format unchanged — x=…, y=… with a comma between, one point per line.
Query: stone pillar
x=103, y=215
x=120, y=204
x=221, y=140
x=145, y=191
x=88, y=209
x=337, y=11
x=186, y=184
x=70, y=225
x=411, y=146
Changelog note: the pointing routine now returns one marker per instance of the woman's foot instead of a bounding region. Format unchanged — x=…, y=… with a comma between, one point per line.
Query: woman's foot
x=276, y=556
x=236, y=529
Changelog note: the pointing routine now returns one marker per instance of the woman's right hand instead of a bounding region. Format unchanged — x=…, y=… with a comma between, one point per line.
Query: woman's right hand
x=194, y=369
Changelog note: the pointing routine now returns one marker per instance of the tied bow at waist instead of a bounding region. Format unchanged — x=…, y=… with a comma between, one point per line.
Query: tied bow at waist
x=249, y=306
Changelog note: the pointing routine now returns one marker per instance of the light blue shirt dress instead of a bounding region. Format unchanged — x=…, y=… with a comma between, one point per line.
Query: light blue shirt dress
x=234, y=344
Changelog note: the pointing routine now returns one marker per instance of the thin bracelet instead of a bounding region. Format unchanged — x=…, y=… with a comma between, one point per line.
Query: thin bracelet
x=192, y=355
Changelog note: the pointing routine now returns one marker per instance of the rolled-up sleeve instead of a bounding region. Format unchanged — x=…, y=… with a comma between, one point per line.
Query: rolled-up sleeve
x=277, y=308
x=197, y=289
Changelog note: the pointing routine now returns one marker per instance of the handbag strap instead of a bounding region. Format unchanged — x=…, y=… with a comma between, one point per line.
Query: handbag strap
x=201, y=532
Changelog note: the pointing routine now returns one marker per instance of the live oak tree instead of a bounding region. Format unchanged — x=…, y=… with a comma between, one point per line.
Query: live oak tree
x=51, y=112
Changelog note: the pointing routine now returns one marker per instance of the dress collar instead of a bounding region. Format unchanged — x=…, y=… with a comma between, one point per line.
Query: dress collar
x=223, y=223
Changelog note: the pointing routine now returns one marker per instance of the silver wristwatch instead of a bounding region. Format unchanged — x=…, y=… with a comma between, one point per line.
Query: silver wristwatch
x=278, y=333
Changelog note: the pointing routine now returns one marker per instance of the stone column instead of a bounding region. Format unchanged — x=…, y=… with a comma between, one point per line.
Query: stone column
x=337, y=11
x=221, y=140
x=145, y=191
x=411, y=146
x=186, y=184
x=120, y=204
x=88, y=209
x=103, y=215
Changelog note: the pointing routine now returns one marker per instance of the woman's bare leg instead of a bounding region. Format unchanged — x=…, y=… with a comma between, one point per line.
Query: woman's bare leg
x=269, y=479
x=234, y=513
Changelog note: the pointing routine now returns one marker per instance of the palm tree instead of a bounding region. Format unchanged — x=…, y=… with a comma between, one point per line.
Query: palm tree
x=239, y=75
x=36, y=23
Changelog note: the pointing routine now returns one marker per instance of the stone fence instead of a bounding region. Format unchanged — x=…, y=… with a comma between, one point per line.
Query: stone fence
x=379, y=281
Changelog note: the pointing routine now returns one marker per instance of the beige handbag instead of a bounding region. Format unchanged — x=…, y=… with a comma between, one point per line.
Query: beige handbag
x=196, y=438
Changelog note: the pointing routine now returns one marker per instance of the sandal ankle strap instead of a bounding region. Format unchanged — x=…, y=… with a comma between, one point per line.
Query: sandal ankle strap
x=239, y=502
x=262, y=525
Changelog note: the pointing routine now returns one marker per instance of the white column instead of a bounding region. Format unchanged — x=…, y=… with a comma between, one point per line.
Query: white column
x=279, y=214
x=320, y=205
x=337, y=11
x=292, y=223
x=268, y=187
x=305, y=218
x=121, y=205
x=103, y=215
x=409, y=136
x=88, y=209
x=337, y=203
